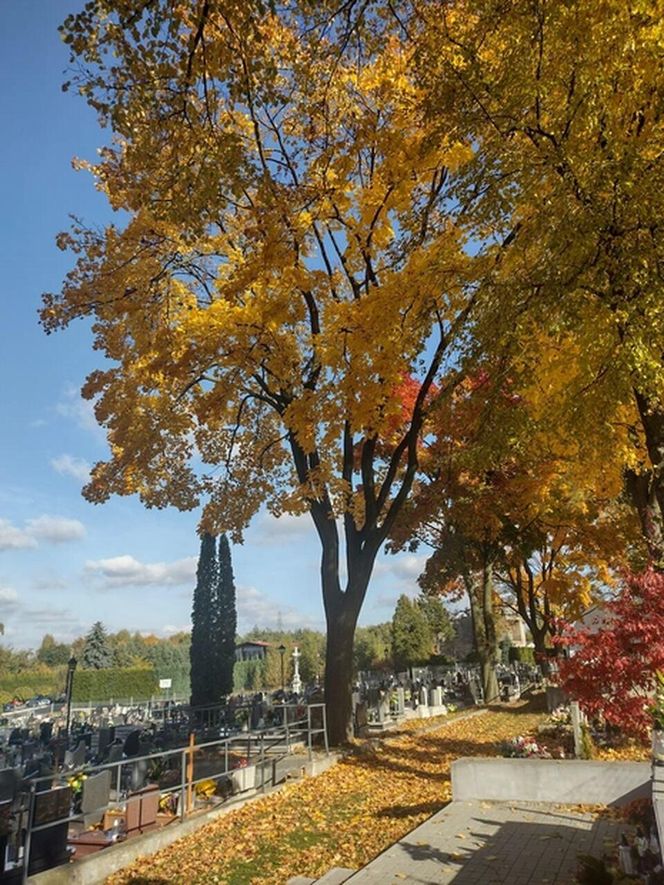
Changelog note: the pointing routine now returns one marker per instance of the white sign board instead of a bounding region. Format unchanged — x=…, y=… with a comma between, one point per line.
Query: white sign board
x=165, y=683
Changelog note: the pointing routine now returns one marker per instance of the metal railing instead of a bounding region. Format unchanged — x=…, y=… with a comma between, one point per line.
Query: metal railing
x=261, y=748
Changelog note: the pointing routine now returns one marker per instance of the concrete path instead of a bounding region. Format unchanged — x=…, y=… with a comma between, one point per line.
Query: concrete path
x=493, y=843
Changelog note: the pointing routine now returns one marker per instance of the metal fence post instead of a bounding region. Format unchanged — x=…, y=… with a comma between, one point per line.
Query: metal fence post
x=262, y=758
x=309, y=732
x=327, y=746
x=118, y=783
x=286, y=724
x=28, y=834
x=183, y=783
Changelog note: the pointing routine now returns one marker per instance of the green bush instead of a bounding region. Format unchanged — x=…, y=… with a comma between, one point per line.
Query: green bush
x=248, y=675
x=180, y=678
x=139, y=683
x=26, y=684
x=521, y=655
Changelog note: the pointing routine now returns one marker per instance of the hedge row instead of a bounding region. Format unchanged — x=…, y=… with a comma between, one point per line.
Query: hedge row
x=139, y=683
x=180, y=679
x=25, y=685
x=521, y=655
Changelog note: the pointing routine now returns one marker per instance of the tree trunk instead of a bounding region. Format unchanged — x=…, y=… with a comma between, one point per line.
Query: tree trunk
x=339, y=675
x=491, y=650
x=647, y=489
x=480, y=594
x=342, y=609
x=541, y=652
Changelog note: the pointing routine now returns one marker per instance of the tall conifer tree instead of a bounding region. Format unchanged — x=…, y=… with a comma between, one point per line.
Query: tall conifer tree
x=224, y=622
x=97, y=654
x=202, y=634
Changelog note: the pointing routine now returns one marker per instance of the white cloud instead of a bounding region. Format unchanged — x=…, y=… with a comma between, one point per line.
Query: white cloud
x=284, y=528
x=8, y=601
x=12, y=538
x=171, y=629
x=404, y=568
x=126, y=571
x=56, y=529
x=79, y=410
x=254, y=608
x=68, y=465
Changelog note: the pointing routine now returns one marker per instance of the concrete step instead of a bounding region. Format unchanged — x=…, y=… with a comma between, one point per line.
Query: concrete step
x=335, y=876
x=300, y=880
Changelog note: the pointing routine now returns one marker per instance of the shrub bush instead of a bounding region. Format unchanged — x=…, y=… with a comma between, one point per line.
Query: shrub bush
x=139, y=683
x=521, y=655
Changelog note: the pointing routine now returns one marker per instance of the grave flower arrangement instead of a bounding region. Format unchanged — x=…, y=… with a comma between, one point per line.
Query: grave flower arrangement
x=206, y=789
x=76, y=784
x=239, y=762
x=525, y=748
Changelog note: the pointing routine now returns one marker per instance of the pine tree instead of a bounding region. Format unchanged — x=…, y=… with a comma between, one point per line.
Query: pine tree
x=224, y=624
x=202, y=636
x=97, y=654
x=412, y=637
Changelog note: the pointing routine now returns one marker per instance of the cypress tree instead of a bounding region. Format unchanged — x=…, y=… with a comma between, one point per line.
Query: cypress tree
x=225, y=622
x=202, y=619
x=97, y=654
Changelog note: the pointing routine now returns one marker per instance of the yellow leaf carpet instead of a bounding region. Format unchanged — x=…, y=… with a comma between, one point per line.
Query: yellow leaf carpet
x=343, y=817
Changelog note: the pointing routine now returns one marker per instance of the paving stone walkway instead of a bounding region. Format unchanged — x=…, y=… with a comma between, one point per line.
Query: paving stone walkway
x=493, y=843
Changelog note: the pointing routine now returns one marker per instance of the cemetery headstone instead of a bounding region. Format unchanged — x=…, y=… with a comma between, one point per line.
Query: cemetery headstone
x=132, y=743
x=575, y=717
x=48, y=847
x=45, y=732
x=9, y=781
x=361, y=720
x=115, y=752
x=401, y=701
x=96, y=795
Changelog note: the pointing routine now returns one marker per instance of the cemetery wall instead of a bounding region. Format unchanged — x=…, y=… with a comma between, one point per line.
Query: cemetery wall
x=568, y=781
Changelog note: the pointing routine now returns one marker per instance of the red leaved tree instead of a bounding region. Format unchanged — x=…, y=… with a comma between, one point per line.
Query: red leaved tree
x=612, y=667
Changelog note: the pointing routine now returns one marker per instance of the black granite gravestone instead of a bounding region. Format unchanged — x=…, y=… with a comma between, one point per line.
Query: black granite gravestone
x=48, y=847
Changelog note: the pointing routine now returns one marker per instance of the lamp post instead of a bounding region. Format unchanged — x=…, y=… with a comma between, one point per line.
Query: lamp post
x=71, y=667
x=282, y=651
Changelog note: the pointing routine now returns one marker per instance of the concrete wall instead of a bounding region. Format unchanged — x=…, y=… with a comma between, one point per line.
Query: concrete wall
x=569, y=781
x=658, y=798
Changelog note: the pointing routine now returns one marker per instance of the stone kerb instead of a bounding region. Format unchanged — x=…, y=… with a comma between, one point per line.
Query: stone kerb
x=658, y=797
x=568, y=781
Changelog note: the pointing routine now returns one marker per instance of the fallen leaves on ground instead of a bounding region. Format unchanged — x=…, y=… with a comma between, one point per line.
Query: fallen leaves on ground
x=633, y=751
x=343, y=817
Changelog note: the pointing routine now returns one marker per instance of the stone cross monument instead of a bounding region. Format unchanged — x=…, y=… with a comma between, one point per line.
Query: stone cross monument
x=297, y=682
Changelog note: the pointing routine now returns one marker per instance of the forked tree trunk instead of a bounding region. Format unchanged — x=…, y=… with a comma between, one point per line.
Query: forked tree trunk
x=342, y=609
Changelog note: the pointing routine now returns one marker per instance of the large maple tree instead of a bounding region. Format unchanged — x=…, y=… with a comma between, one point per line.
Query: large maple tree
x=290, y=256
x=565, y=105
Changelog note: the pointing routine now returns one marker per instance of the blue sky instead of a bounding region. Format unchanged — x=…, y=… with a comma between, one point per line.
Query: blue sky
x=65, y=563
